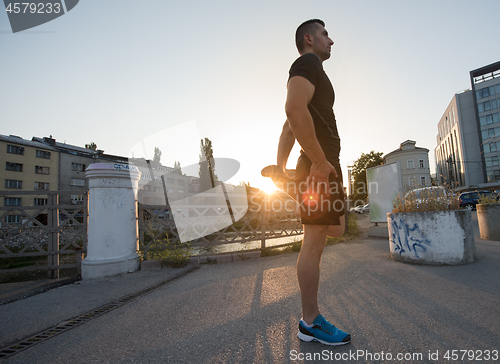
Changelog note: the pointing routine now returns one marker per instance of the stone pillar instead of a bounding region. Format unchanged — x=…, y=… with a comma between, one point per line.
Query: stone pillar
x=488, y=218
x=112, y=229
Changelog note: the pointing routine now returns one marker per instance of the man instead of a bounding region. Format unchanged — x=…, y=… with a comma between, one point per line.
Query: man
x=318, y=178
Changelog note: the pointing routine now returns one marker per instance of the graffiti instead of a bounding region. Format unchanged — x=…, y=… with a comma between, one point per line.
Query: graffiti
x=125, y=167
x=408, y=240
x=113, y=198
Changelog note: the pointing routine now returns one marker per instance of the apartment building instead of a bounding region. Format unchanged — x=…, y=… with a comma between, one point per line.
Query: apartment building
x=468, y=141
x=27, y=166
x=414, y=160
x=73, y=160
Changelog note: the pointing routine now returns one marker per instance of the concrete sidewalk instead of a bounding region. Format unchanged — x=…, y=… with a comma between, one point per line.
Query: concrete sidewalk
x=248, y=312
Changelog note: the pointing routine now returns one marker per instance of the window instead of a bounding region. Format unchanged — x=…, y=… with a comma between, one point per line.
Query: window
x=146, y=188
x=13, y=219
x=10, y=183
x=494, y=161
x=170, y=180
x=422, y=181
x=41, y=186
x=12, y=201
x=77, y=182
x=40, y=202
x=14, y=149
x=77, y=167
x=180, y=182
x=76, y=199
x=181, y=191
x=42, y=154
x=410, y=164
x=489, y=119
x=421, y=163
x=13, y=167
x=42, y=170
x=170, y=190
x=493, y=147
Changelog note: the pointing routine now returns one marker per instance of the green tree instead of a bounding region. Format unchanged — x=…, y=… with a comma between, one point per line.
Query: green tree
x=358, y=173
x=92, y=146
x=157, y=156
x=208, y=178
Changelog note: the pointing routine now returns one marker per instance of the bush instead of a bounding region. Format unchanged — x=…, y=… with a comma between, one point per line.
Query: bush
x=161, y=249
x=426, y=199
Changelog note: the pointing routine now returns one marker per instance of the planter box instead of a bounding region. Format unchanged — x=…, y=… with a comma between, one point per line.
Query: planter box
x=488, y=218
x=434, y=237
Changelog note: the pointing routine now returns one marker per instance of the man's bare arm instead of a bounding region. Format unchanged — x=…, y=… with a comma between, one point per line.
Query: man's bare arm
x=299, y=95
x=285, y=145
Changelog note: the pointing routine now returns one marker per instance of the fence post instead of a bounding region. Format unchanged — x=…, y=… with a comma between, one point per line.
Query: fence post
x=53, y=243
x=263, y=225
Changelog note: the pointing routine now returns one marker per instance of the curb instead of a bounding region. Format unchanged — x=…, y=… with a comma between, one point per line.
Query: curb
x=208, y=259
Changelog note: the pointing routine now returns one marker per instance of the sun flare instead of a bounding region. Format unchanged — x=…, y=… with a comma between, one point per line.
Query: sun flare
x=268, y=187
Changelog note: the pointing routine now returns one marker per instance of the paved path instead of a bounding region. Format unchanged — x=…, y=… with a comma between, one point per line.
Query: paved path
x=247, y=312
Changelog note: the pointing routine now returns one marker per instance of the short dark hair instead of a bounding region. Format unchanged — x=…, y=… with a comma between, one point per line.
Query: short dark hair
x=307, y=27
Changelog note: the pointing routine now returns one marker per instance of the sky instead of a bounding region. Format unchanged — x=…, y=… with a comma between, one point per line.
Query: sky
x=132, y=75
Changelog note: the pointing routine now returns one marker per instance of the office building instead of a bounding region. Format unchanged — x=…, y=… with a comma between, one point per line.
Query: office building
x=468, y=141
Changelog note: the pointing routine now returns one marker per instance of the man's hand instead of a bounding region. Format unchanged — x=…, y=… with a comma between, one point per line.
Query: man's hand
x=318, y=177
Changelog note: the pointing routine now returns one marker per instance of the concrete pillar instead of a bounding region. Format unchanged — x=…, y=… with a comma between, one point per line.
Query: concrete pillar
x=112, y=230
x=488, y=218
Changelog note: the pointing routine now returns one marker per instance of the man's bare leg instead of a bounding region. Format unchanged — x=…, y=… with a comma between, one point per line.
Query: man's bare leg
x=308, y=266
x=336, y=231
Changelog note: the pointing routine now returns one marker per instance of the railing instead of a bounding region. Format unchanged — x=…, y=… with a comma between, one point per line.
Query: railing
x=262, y=222
x=53, y=233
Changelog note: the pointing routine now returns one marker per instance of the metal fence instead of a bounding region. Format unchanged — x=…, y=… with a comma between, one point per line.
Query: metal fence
x=257, y=229
x=47, y=235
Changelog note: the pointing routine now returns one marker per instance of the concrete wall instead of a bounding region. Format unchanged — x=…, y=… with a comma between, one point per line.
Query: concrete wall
x=434, y=238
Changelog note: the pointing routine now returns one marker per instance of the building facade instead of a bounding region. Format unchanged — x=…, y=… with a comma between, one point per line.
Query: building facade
x=73, y=160
x=27, y=166
x=151, y=188
x=468, y=140
x=414, y=160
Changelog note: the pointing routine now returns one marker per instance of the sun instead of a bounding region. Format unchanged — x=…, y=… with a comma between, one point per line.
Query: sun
x=268, y=186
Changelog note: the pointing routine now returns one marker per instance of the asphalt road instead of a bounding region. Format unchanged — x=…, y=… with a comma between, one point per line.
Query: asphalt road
x=248, y=312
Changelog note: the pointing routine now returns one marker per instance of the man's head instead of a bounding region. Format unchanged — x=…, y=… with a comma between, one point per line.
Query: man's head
x=311, y=36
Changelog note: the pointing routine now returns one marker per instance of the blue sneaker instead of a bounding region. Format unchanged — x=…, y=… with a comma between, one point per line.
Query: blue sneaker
x=323, y=332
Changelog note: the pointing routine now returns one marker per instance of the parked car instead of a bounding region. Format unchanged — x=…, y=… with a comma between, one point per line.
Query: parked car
x=366, y=208
x=359, y=209
x=469, y=200
x=419, y=193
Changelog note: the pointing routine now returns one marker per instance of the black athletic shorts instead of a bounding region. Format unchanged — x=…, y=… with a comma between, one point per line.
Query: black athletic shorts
x=317, y=208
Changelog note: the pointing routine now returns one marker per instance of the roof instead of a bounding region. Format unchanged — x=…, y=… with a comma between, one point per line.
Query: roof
x=400, y=150
x=64, y=147
x=30, y=143
x=486, y=69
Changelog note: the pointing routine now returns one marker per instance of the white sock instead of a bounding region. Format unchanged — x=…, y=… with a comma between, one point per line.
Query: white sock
x=305, y=323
